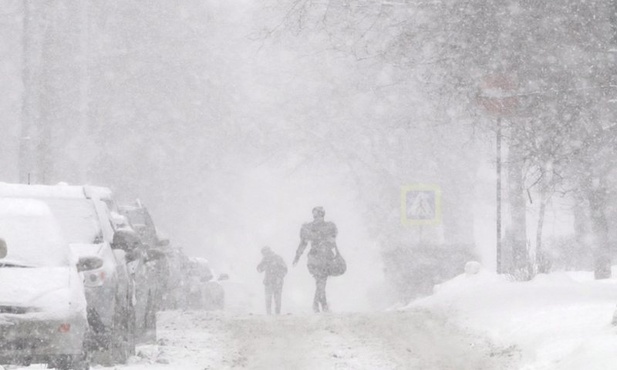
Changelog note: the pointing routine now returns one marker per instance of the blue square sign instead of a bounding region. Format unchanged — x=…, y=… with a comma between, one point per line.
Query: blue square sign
x=420, y=204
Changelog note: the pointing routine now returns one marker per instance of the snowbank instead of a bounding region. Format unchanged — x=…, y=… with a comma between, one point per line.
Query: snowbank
x=558, y=321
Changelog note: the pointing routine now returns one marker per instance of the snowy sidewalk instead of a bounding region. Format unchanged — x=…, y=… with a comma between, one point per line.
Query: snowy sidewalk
x=557, y=321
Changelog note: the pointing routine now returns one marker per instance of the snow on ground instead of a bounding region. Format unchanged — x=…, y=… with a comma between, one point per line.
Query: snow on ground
x=484, y=321
x=363, y=341
x=558, y=321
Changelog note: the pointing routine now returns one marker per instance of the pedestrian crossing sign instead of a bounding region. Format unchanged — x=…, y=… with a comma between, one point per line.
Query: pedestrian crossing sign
x=420, y=204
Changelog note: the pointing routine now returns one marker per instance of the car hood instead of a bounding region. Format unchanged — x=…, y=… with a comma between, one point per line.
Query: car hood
x=35, y=288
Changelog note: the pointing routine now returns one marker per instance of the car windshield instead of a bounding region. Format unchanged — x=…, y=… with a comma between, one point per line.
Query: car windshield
x=77, y=218
x=136, y=217
x=32, y=235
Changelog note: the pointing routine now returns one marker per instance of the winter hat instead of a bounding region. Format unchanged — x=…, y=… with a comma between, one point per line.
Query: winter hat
x=319, y=211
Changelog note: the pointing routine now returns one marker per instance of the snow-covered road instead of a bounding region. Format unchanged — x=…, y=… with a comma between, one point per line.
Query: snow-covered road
x=385, y=340
x=414, y=339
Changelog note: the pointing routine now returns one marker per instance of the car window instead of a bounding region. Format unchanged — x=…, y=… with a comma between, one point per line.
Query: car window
x=136, y=217
x=77, y=218
x=32, y=234
x=104, y=219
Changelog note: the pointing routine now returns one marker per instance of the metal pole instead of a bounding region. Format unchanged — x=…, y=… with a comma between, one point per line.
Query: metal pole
x=498, y=196
x=26, y=145
x=84, y=89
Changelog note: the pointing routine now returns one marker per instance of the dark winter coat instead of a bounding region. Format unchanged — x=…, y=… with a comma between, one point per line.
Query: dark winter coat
x=274, y=267
x=321, y=235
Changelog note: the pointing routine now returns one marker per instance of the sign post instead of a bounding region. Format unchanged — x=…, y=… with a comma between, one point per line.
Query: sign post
x=497, y=99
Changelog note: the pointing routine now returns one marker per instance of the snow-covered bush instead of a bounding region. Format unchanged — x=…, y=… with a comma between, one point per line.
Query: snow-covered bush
x=566, y=253
x=472, y=267
x=413, y=270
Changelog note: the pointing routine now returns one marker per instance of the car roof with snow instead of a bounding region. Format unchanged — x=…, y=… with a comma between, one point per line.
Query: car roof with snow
x=54, y=191
x=81, y=218
x=32, y=233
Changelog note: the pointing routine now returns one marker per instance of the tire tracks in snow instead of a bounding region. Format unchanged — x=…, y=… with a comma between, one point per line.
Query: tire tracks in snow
x=371, y=341
x=406, y=340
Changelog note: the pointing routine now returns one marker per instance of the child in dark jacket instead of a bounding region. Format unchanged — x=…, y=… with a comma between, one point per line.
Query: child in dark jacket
x=275, y=270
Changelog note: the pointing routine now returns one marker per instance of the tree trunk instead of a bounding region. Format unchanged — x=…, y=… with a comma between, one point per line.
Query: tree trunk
x=542, y=262
x=28, y=107
x=516, y=194
x=34, y=149
x=596, y=194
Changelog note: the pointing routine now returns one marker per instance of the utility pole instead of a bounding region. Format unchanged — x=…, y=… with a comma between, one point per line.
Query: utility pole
x=498, y=195
x=84, y=88
x=497, y=99
x=35, y=135
x=26, y=145
x=35, y=152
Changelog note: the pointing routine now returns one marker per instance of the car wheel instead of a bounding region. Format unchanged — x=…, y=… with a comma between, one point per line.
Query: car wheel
x=81, y=362
x=77, y=362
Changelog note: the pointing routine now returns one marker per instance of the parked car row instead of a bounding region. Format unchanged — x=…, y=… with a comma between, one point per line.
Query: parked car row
x=82, y=277
x=45, y=316
x=148, y=268
x=169, y=279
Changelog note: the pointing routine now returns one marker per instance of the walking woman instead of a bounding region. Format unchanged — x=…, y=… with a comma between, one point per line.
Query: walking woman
x=322, y=236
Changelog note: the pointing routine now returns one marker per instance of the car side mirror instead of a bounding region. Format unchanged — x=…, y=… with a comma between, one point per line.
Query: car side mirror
x=3, y=248
x=153, y=255
x=126, y=257
x=132, y=255
x=89, y=263
x=125, y=239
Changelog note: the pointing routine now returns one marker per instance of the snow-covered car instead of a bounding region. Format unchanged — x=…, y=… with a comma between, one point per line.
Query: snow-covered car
x=86, y=225
x=176, y=286
x=205, y=290
x=149, y=269
x=191, y=283
x=141, y=221
x=42, y=299
x=241, y=296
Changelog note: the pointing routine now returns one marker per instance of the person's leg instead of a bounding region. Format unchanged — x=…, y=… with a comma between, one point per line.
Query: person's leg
x=322, y=297
x=315, y=272
x=278, y=292
x=316, y=296
x=320, y=293
x=268, y=299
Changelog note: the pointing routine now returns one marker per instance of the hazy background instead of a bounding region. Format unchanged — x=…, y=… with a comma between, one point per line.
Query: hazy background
x=232, y=120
